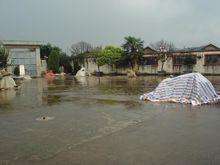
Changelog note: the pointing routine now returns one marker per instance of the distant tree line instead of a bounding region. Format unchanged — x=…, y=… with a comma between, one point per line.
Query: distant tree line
x=129, y=54
x=55, y=58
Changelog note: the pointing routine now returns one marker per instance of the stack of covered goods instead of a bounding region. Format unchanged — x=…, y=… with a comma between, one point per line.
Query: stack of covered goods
x=6, y=82
x=50, y=75
x=192, y=88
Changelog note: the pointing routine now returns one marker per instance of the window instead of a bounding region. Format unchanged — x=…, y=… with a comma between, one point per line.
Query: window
x=24, y=57
x=149, y=61
x=184, y=60
x=213, y=59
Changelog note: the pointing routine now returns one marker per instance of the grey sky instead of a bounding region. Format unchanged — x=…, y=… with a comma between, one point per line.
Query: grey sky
x=107, y=22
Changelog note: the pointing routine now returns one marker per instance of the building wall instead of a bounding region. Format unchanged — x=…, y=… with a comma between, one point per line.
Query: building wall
x=24, y=57
x=19, y=45
x=38, y=61
x=43, y=66
x=153, y=69
x=148, y=69
x=92, y=67
x=179, y=69
x=210, y=69
x=200, y=66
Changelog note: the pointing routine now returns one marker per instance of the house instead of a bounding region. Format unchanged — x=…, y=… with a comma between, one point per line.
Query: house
x=203, y=59
x=25, y=53
x=149, y=62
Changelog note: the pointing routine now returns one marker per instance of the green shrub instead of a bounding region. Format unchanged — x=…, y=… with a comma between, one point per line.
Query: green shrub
x=17, y=71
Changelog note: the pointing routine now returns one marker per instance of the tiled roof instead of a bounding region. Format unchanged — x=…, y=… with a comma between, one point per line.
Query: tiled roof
x=196, y=49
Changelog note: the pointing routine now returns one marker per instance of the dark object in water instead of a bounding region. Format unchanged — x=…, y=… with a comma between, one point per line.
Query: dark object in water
x=45, y=118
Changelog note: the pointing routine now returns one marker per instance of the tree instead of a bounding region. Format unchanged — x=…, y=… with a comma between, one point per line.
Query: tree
x=4, y=53
x=79, y=53
x=81, y=59
x=53, y=60
x=133, y=49
x=45, y=51
x=80, y=47
x=164, y=49
x=110, y=55
x=65, y=62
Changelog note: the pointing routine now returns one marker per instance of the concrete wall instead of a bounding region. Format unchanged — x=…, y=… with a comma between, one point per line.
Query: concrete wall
x=200, y=66
x=38, y=61
x=210, y=69
x=92, y=67
x=179, y=69
x=148, y=69
x=43, y=66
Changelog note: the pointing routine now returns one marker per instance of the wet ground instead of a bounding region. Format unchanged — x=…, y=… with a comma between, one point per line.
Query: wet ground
x=101, y=121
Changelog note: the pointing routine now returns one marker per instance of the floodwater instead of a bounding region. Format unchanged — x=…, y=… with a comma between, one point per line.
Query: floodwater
x=99, y=121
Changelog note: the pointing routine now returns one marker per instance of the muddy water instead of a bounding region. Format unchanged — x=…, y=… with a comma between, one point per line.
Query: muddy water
x=101, y=121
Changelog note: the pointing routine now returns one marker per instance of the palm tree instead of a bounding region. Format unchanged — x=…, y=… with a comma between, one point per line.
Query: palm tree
x=133, y=49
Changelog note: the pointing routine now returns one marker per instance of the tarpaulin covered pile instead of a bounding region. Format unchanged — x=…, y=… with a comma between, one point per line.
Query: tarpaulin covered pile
x=192, y=88
x=50, y=75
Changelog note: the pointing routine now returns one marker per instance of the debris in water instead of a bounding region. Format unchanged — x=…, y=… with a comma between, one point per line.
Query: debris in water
x=44, y=118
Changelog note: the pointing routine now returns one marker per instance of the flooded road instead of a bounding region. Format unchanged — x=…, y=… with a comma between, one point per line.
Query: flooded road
x=101, y=121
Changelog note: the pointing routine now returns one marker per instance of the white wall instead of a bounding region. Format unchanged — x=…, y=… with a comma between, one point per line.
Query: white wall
x=168, y=67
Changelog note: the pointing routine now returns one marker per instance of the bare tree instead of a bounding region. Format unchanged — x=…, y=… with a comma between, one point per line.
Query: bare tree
x=162, y=44
x=164, y=49
x=80, y=47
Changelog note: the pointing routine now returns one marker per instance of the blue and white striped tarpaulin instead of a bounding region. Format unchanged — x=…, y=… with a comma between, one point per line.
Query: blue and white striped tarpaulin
x=192, y=88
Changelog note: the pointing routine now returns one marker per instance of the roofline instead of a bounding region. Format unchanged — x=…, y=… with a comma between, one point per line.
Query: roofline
x=21, y=42
x=212, y=45
x=186, y=50
x=151, y=48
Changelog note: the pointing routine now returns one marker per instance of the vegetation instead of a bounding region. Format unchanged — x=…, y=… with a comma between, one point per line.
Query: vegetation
x=45, y=51
x=17, y=71
x=53, y=60
x=56, y=58
x=4, y=53
x=129, y=55
x=82, y=58
x=65, y=61
x=133, y=50
x=164, y=49
x=80, y=48
x=110, y=55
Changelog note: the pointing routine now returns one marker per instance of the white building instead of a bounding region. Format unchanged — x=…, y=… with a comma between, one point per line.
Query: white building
x=25, y=53
x=203, y=59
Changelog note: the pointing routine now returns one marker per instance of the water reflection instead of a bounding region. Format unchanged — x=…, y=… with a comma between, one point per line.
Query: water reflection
x=39, y=92
x=7, y=95
x=84, y=110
